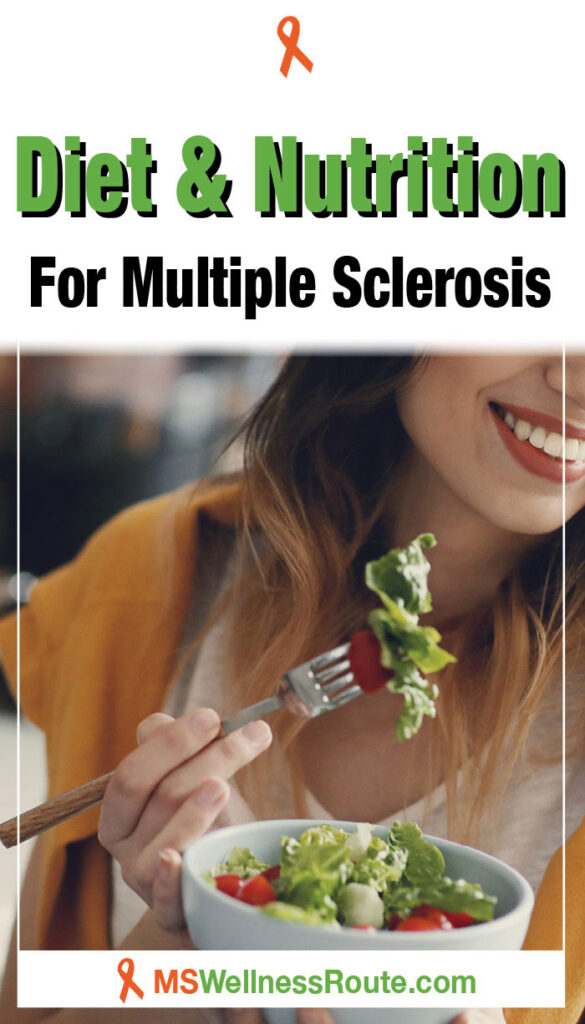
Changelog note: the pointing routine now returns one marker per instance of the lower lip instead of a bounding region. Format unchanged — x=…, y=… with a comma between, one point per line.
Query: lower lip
x=535, y=460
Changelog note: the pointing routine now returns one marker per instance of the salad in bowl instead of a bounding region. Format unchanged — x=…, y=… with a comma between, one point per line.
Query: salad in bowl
x=299, y=883
x=331, y=877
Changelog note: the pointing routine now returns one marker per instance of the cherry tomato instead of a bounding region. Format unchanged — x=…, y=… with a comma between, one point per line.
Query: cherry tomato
x=271, y=873
x=257, y=891
x=418, y=924
x=364, y=659
x=393, y=922
x=230, y=884
x=459, y=919
x=439, y=917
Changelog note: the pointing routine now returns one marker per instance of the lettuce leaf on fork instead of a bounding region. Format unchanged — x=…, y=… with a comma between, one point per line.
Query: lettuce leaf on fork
x=399, y=579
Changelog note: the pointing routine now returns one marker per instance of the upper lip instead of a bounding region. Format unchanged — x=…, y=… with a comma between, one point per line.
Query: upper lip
x=543, y=419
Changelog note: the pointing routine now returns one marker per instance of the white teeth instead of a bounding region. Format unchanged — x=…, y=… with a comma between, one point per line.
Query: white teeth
x=553, y=445
x=522, y=430
x=549, y=442
x=537, y=437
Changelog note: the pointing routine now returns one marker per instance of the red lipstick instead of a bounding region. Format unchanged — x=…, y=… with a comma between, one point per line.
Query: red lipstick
x=535, y=460
x=542, y=419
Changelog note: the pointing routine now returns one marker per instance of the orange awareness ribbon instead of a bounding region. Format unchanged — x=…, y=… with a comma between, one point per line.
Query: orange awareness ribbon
x=126, y=972
x=290, y=45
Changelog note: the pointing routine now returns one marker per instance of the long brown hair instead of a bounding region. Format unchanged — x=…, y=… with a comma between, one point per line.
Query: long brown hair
x=320, y=451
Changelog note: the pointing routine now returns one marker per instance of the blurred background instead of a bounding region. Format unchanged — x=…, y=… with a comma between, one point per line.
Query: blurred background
x=98, y=433
x=101, y=432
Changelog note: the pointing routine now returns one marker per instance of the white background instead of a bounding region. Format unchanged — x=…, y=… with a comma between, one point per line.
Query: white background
x=507, y=73
x=502, y=978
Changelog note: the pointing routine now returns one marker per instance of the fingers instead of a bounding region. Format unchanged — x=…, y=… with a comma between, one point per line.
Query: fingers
x=193, y=819
x=222, y=759
x=141, y=772
x=196, y=814
x=149, y=725
x=166, y=794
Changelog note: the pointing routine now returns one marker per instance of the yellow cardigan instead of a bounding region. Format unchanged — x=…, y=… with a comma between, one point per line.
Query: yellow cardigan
x=99, y=644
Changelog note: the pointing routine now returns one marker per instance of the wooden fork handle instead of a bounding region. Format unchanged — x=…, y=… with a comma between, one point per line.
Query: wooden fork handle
x=40, y=818
x=46, y=815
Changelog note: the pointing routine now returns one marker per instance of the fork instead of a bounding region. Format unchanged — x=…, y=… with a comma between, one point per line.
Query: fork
x=313, y=688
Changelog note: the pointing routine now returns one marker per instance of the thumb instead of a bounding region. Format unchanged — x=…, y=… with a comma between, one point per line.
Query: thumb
x=166, y=891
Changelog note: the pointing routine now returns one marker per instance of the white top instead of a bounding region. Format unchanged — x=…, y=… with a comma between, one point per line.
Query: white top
x=531, y=817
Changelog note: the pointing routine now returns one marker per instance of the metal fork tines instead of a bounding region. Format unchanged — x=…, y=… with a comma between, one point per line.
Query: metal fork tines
x=322, y=684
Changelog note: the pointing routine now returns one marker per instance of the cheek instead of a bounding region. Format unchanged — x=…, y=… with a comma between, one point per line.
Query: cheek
x=575, y=499
x=438, y=417
x=447, y=416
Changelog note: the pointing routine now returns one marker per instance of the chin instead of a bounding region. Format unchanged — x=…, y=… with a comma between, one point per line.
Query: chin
x=529, y=517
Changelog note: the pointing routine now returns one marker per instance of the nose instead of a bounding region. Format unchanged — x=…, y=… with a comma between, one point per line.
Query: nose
x=574, y=382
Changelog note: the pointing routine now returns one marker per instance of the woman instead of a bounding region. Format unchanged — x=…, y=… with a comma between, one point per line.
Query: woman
x=346, y=456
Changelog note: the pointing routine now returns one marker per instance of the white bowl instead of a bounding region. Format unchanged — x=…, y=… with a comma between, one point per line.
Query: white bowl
x=217, y=921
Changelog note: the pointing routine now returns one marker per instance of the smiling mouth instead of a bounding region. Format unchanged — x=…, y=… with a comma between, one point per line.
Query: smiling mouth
x=547, y=441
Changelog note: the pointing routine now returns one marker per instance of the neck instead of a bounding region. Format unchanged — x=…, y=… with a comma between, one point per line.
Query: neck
x=473, y=556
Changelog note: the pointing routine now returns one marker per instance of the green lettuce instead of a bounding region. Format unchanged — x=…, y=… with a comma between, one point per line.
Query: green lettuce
x=329, y=876
x=319, y=834
x=403, y=573
x=241, y=861
x=399, y=579
x=289, y=912
x=424, y=862
x=445, y=894
x=313, y=870
x=380, y=865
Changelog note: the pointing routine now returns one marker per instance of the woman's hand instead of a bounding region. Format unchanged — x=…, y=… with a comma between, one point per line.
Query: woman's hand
x=165, y=795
